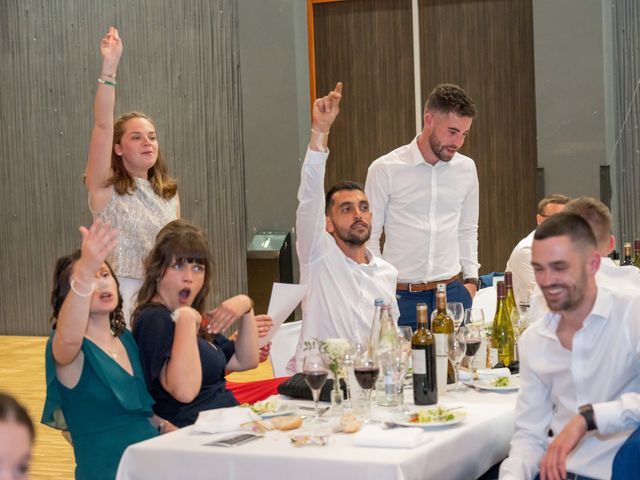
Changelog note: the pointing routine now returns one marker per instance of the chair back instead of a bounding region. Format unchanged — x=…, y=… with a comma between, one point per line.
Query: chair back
x=283, y=347
x=486, y=300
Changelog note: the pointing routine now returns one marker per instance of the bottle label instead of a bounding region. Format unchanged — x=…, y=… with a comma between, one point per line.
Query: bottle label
x=494, y=357
x=441, y=361
x=419, y=361
x=441, y=344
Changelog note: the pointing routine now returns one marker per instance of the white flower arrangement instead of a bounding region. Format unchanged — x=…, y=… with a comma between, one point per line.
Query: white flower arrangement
x=335, y=350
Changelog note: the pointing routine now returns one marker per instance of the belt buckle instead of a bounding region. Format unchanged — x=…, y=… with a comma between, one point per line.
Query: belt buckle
x=411, y=284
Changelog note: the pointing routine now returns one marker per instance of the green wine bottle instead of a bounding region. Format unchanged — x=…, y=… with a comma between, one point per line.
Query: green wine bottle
x=636, y=258
x=502, y=331
x=423, y=361
x=628, y=260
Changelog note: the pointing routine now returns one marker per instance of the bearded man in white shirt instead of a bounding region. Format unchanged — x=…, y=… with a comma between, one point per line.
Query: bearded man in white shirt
x=519, y=262
x=425, y=197
x=579, y=365
x=343, y=277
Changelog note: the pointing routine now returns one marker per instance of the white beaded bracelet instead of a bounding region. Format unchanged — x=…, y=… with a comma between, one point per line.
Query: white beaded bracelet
x=80, y=294
x=319, y=133
x=176, y=314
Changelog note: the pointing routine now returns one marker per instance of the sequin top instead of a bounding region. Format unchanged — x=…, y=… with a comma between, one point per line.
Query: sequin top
x=139, y=217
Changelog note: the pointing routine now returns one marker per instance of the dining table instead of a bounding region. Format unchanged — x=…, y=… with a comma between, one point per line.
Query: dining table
x=462, y=451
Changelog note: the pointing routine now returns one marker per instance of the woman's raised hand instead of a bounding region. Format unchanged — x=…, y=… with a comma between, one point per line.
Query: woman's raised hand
x=228, y=312
x=111, y=47
x=97, y=242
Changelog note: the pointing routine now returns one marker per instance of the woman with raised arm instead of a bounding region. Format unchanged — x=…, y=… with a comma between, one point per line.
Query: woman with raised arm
x=183, y=354
x=95, y=386
x=127, y=177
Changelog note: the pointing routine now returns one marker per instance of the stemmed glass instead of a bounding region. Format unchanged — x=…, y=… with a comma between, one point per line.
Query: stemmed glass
x=367, y=370
x=520, y=322
x=456, y=312
x=315, y=374
x=456, y=349
x=472, y=335
x=399, y=366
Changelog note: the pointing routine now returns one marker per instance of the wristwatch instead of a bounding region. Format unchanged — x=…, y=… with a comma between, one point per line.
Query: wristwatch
x=473, y=281
x=587, y=413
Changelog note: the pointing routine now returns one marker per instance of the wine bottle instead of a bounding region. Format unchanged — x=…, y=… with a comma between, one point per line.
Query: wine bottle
x=628, y=260
x=502, y=331
x=441, y=325
x=423, y=359
x=512, y=309
x=388, y=343
x=636, y=258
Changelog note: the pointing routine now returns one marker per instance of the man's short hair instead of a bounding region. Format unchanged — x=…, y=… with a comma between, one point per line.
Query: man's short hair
x=569, y=224
x=343, y=185
x=596, y=213
x=447, y=98
x=556, y=198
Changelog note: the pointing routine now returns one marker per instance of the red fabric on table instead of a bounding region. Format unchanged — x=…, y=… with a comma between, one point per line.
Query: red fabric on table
x=252, y=392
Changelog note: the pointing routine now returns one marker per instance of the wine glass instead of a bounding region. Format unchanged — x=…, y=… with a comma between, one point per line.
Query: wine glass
x=315, y=374
x=456, y=349
x=520, y=322
x=472, y=334
x=367, y=371
x=456, y=312
x=399, y=365
x=474, y=316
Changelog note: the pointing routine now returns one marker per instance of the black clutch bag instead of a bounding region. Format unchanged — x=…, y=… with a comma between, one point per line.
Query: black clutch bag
x=296, y=387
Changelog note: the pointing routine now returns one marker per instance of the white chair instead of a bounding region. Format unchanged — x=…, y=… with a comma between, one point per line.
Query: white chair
x=283, y=347
x=486, y=300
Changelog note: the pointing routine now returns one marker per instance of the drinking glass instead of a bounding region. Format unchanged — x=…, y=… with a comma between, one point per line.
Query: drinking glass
x=456, y=312
x=315, y=374
x=456, y=349
x=472, y=334
x=367, y=371
x=474, y=316
x=521, y=321
x=399, y=366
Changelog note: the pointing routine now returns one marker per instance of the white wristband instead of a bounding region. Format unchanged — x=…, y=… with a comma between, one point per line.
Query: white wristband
x=176, y=314
x=73, y=284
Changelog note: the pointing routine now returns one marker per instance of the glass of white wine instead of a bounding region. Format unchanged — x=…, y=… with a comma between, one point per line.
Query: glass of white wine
x=456, y=312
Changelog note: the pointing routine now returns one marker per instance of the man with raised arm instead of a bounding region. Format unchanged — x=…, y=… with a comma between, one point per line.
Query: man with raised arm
x=579, y=364
x=343, y=277
x=425, y=196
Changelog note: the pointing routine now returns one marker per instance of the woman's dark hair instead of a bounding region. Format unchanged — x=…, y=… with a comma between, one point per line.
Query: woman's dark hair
x=179, y=241
x=12, y=411
x=61, y=287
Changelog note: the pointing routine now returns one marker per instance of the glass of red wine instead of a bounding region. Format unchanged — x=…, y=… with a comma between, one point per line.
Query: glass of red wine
x=366, y=369
x=472, y=334
x=315, y=374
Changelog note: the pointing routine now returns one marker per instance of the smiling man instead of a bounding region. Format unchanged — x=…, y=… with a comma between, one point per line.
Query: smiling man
x=425, y=197
x=343, y=277
x=579, y=364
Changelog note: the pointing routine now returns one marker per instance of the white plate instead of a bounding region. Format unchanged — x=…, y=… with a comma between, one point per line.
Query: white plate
x=514, y=385
x=281, y=410
x=460, y=416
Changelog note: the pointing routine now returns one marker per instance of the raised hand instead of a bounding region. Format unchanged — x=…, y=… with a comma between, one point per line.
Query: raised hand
x=111, y=47
x=97, y=242
x=326, y=109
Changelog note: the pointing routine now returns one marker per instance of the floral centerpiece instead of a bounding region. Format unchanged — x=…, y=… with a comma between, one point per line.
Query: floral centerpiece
x=334, y=350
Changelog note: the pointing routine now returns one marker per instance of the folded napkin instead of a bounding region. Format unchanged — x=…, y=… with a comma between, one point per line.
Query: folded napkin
x=491, y=373
x=375, y=436
x=223, y=419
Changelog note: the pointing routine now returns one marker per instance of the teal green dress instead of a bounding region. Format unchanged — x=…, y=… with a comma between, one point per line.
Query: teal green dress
x=107, y=410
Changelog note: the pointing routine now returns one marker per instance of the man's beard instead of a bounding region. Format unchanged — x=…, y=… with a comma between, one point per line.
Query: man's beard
x=573, y=298
x=352, y=239
x=438, y=149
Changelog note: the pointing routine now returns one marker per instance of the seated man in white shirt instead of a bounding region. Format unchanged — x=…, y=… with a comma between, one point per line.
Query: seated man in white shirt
x=579, y=365
x=343, y=277
x=519, y=262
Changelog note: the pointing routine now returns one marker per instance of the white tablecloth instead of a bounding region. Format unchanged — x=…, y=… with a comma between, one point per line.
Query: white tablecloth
x=464, y=451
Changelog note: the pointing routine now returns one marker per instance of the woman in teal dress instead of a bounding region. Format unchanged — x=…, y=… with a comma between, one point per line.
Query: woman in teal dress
x=95, y=386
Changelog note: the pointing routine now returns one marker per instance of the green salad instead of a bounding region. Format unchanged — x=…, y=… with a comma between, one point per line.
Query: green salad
x=438, y=414
x=265, y=406
x=500, y=382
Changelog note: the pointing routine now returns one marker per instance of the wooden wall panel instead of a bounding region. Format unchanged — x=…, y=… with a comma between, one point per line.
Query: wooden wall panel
x=368, y=46
x=180, y=65
x=487, y=48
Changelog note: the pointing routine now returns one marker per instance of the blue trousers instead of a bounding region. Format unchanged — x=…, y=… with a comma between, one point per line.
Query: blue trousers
x=456, y=292
x=626, y=463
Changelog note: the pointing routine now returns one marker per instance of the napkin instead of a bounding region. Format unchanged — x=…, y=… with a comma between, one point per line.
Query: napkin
x=375, y=436
x=223, y=420
x=491, y=373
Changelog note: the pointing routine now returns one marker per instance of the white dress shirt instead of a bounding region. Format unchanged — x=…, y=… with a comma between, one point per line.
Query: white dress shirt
x=603, y=369
x=429, y=214
x=519, y=264
x=341, y=293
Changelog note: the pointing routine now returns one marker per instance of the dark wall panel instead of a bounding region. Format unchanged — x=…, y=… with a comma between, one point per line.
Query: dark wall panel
x=487, y=48
x=180, y=65
x=368, y=46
